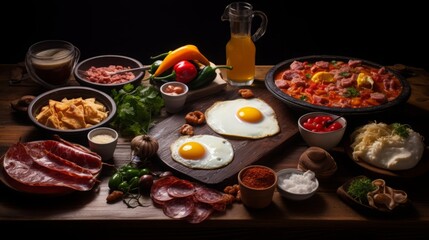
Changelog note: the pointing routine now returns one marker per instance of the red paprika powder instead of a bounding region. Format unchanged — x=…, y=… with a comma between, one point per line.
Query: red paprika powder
x=258, y=177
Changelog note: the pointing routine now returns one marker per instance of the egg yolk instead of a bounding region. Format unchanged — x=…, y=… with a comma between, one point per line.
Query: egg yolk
x=192, y=150
x=249, y=114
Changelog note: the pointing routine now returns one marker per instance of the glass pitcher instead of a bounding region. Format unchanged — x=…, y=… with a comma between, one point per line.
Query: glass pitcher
x=240, y=49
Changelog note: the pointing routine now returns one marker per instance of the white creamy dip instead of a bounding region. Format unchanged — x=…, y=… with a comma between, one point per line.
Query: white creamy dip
x=102, y=138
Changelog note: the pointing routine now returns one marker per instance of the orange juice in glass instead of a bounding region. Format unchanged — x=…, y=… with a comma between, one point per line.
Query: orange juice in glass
x=240, y=49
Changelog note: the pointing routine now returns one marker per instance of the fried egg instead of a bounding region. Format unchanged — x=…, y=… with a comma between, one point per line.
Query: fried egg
x=248, y=118
x=202, y=151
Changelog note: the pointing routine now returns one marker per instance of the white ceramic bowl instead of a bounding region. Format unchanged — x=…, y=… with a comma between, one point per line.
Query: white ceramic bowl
x=325, y=140
x=103, y=141
x=282, y=186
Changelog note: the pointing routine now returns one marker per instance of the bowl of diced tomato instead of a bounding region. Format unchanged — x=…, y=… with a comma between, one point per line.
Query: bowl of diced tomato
x=322, y=129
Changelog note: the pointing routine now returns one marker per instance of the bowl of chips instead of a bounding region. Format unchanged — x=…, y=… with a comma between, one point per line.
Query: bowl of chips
x=72, y=110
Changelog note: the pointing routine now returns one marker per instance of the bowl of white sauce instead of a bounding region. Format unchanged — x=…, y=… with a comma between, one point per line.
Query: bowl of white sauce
x=295, y=184
x=103, y=141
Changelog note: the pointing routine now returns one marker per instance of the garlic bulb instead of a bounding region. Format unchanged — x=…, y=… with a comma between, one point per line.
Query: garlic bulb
x=144, y=146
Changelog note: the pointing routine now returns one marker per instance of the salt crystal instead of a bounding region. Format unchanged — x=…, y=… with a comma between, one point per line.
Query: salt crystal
x=300, y=183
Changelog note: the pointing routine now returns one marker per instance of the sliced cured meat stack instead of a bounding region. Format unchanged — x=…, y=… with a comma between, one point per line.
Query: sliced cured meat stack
x=70, y=152
x=182, y=199
x=49, y=167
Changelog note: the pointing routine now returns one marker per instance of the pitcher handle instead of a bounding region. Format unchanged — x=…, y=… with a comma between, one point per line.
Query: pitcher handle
x=263, y=26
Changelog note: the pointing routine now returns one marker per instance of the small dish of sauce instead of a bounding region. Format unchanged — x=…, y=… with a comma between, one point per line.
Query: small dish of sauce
x=102, y=138
x=103, y=141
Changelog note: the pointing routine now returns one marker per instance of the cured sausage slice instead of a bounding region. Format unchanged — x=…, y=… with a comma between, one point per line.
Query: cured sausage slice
x=201, y=212
x=159, y=189
x=56, y=163
x=77, y=155
x=181, y=188
x=178, y=207
x=208, y=195
x=19, y=165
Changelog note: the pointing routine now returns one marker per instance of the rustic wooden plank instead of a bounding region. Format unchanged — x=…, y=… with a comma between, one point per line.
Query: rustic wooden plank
x=246, y=151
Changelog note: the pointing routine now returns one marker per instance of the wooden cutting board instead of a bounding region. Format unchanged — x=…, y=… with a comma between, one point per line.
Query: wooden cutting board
x=246, y=151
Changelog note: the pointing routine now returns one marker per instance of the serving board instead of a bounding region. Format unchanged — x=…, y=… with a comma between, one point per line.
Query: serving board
x=246, y=151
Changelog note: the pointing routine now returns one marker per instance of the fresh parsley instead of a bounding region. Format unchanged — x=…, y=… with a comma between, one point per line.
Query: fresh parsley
x=400, y=129
x=345, y=74
x=359, y=188
x=137, y=108
x=351, y=92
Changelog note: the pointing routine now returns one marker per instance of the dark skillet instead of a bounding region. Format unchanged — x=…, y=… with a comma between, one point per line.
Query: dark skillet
x=308, y=107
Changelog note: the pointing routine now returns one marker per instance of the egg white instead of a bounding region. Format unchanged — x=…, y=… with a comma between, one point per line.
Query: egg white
x=222, y=118
x=218, y=152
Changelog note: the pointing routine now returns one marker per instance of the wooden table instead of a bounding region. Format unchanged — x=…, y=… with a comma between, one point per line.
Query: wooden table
x=324, y=215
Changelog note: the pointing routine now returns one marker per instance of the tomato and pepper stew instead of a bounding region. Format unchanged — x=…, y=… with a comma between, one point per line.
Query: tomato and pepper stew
x=339, y=84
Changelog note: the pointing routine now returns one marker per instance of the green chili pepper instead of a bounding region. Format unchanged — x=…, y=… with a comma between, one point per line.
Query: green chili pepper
x=115, y=180
x=161, y=56
x=205, y=76
x=154, y=66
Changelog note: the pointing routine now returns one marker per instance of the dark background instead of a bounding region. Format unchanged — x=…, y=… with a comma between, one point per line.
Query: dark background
x=388, y=34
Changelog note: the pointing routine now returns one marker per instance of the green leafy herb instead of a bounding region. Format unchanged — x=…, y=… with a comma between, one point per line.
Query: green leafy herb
x=136, y=109
x=351, y=92
x=308, y=75
x=303, y=98
x=359, y=188
x=345, y=74
x=400, y=129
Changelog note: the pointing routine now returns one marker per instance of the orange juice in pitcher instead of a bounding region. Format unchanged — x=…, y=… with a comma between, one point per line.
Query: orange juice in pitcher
x=240, y=53
x=240, y=49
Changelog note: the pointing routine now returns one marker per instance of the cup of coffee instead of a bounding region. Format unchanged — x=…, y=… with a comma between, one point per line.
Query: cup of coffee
x=51, y=62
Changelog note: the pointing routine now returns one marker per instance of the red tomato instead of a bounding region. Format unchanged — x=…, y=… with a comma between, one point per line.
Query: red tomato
x=317, y=124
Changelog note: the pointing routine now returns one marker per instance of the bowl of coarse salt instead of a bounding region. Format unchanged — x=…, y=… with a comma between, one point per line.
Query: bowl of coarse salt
x=295, y=184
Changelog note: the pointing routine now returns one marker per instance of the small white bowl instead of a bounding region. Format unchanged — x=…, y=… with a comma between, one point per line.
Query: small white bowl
x=282, y=187
x=174, y=102
x=103, y=141
x=325, y=140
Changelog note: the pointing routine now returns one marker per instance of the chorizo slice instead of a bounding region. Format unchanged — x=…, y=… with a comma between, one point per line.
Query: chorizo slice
x=159, y=189
x=201, y=212
x=178, y=207
x=181, y=188
x=56, y=163
x=19, y=165
x=78, y=156
x=208, y=195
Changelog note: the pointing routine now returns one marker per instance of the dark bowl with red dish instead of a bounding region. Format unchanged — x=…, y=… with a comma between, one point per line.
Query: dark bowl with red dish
x=337, y=84
x=91, y=72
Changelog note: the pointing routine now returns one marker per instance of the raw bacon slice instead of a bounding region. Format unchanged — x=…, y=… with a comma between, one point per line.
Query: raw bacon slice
x=178, y=207
x=77, y=155
x=19, y=165
x=201, y=212
x=181, y=188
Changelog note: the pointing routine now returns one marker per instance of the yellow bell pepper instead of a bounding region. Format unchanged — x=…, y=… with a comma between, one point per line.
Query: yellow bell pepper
x=187, y=52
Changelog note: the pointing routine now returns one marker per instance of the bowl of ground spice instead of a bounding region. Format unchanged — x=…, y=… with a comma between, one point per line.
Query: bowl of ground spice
x=257, y=184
